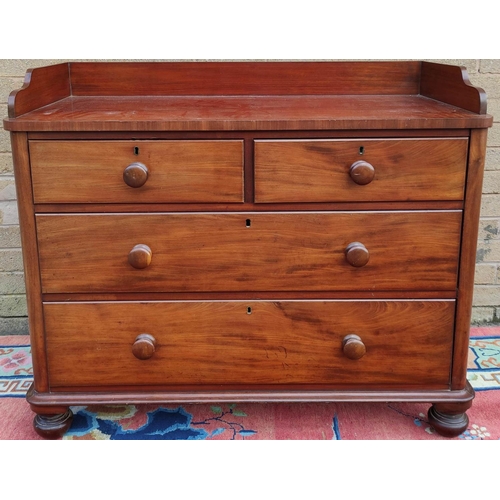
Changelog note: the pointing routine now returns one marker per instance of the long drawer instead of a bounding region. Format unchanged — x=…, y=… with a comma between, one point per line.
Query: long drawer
x=189, y=252
x=137, y=171
x=360, y=170
x=405, y=343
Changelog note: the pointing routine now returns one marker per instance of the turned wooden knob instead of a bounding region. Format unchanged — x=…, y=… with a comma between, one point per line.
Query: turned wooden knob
x=140, y=256
x=135, y=175
x=362, y=172
x=144, y=346
x=357, y=254
x=353, y=347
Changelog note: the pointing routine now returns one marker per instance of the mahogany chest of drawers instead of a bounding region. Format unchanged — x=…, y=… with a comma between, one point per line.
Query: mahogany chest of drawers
x=251, y=231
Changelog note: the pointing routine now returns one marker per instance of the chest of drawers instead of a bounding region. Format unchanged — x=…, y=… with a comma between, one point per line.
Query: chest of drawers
x=286, y=231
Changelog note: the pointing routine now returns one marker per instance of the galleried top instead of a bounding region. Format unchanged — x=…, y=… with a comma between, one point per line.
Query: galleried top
x=199, y=96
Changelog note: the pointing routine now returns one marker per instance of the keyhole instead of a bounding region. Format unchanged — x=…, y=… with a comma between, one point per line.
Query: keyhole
x=361, y=150
x=136, y=150
x=249, y=310
x=248, y=223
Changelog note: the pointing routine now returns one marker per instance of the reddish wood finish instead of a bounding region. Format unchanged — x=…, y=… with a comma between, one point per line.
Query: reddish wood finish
x=256, y=96
x=144, y=346
x=53, y=426
x=30, y=258
x=295, y=342
x=140, y=256
x=135, y=175
x=310, y=393
x=335, y=112
x=422, y=133
x=36, y=93
x=252, y=295
x=472, y=211
x=45, y=208
x=362, y=172
x=244, y=78
x=353, y=347
x=245, y=251
x=451, y=84
x=449, y=419
x=179, y=171
x=319, y=170
x=357, y=254
x=278, y=252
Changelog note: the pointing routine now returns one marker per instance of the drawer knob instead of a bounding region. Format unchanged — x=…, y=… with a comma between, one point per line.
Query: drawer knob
x=357, y=254
x=135, y=175
x=362, y=172
x=144, y=346
x=140, y=256
x=353, y=347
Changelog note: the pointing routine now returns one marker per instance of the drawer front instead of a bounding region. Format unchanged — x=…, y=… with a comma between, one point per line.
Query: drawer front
x=387, y=170
x=249, y=252
x=168, y=171
x=407, y=343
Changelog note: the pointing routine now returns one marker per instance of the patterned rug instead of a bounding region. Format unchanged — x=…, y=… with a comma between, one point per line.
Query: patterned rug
x=269, y=421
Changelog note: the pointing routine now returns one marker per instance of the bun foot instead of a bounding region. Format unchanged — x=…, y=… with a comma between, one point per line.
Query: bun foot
x=53, y=426
x=447, y=420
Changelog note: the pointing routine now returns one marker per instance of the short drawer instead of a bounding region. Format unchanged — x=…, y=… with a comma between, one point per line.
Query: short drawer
x=137, y=171
x=401, y=343
x=224, y=252
x=360, y=170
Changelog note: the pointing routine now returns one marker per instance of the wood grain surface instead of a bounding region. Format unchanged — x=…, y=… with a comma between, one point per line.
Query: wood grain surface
x=318, y=170
x=244, y=78
x=37, y=92
x=451, y=84
x=246, y=96
x=197, y=232
x=477, y=156
x=190, y=113
x=249, y=252
x=178, y=171
x=289, y=342
x=27, y=223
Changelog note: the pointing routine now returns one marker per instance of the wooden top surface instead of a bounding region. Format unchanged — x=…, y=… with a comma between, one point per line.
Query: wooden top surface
x=245, y=113
x=246, y=96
